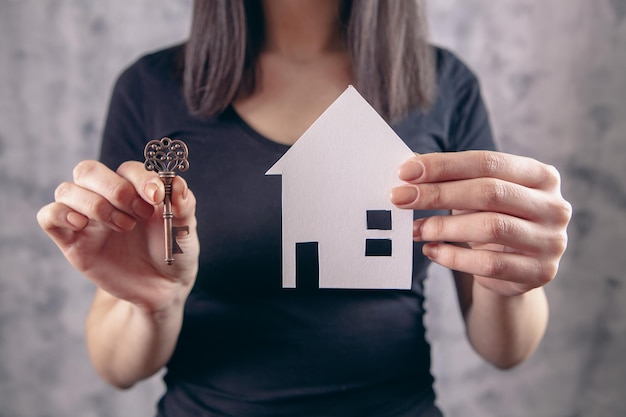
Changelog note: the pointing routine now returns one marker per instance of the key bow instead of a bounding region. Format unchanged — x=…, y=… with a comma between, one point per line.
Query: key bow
x=166, y=155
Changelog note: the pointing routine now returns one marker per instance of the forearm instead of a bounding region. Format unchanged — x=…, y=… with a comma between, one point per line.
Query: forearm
x=127, y=344
x=504, y=330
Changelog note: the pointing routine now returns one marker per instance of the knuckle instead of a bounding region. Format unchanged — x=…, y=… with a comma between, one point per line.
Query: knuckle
x=100, y=209
x=62, y=190
x=490, y=164
x=449, y=256
x=437, y=197
x=83, y=169
x=126, y=167
x=433, y=228
x=562, y=241
x=496, y=266
x=558, y=243
x=494, y=192
x=547, y=273
x=432, y=195
x=498, y=228
x=550, y=176
x=561, y=211
x=119, y=191
x=443, y=168
x=565, y=211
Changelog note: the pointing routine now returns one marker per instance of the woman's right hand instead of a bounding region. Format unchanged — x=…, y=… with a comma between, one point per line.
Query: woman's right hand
x=109, y=226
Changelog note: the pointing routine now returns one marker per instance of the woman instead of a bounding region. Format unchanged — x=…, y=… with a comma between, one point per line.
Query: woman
x=252, y=77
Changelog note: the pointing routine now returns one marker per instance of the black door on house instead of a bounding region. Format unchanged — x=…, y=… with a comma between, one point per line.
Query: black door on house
x=307, y=265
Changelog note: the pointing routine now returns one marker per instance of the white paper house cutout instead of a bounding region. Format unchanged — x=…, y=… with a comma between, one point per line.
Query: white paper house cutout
x=343, y=166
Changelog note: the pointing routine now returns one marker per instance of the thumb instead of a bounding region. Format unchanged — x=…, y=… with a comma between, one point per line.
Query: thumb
x=184, y=220
x=183, y=201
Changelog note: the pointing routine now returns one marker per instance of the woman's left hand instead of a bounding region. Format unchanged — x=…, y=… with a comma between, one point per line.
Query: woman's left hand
x=509, y=219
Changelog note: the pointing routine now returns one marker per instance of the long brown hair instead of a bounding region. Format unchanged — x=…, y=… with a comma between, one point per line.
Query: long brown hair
x=392, y=62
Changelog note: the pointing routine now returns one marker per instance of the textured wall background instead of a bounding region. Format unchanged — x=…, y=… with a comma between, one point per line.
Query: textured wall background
x=553, y=74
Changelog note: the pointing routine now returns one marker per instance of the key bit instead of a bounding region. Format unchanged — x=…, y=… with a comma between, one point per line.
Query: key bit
x=165, y=157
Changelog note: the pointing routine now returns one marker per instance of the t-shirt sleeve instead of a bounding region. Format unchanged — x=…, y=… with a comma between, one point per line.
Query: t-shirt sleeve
x=124, y=131
x=467, y=125
x=470, y=128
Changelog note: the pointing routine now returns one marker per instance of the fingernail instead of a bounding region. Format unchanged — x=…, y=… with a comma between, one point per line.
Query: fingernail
x=185, y=193
x=76, y=220
x=142, y=209
x=122, y=220
x=403, y=195
x=431, y=250
x=417, y=229
x=151, y=190
x=411, y=170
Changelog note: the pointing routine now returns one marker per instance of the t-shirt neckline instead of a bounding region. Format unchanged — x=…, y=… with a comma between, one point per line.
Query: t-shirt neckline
x=239, y=121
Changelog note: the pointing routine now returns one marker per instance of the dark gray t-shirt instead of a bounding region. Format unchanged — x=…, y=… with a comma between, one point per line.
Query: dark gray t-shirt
x=248, y=347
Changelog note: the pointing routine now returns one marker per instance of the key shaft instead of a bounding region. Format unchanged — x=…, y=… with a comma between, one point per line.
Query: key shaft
x=168, y=215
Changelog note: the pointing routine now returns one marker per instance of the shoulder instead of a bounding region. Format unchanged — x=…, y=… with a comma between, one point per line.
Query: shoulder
x=146, y=99
x=461, y=98
x=157, y=67
x=458, y=87
x=168, y=60
x=452, y=71
x=457, y=119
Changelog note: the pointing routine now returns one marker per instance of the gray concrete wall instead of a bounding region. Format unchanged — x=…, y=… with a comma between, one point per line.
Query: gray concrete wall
x=553, y=74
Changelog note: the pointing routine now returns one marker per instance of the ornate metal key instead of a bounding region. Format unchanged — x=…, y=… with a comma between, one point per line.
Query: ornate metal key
x=166, y=156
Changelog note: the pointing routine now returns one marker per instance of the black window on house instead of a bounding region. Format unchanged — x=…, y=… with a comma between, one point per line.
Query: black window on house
x=377, y=247
x=378, y=220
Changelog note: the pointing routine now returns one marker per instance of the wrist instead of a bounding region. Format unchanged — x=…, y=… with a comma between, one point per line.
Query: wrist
x=166, y=306
x=501, y=287
x=507, y=301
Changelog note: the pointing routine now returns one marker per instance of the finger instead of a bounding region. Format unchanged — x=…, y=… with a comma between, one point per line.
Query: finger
x=114, y=188
x=151, y=188
x=485, y=194
x=452, y=166
x=94, y=206
x=485, y=227
x=183, y=199
x=60, y=222
x=146, y=183
x=504, y=266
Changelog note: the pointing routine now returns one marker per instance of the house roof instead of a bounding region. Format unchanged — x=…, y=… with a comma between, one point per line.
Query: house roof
x=348, y=130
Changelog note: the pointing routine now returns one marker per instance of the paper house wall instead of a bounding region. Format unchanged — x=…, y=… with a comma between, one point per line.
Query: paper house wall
x=339, y=173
